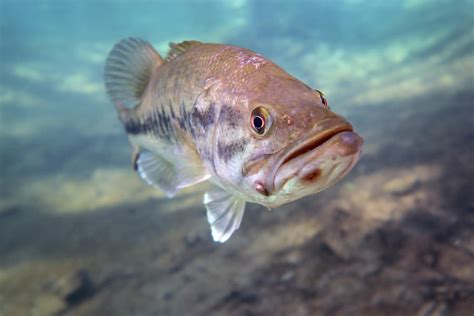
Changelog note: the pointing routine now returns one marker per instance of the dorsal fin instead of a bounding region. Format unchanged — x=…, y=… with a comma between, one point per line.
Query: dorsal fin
x=180, y=48
x=128, y=70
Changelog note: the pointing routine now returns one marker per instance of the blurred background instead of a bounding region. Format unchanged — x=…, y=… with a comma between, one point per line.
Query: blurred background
x=81, y=234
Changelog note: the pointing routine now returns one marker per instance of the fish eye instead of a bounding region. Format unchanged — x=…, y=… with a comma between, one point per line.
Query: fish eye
x=260, y=120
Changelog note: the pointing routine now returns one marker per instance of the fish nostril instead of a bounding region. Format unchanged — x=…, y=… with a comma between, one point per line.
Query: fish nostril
x=312, y=176
x=261, y=188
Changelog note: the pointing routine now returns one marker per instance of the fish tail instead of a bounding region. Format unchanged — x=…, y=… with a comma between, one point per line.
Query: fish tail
x=128, y=70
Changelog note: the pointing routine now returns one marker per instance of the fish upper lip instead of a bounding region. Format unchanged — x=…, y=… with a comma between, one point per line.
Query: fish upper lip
x=313, y=141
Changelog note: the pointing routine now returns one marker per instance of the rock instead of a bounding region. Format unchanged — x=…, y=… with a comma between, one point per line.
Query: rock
x=243, y=297
x=73, y=288
x=457, y=264
x=47, y=304
x=84, y=290
x=192, y=240
x=402, y=186
x=63, y=286
x=287, y=276
x=432, y=309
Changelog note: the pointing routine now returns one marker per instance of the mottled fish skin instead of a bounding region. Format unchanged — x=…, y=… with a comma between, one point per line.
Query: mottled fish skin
x=205, y=87
x=196, y=113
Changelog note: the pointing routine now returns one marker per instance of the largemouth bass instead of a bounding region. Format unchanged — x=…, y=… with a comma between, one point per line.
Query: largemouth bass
x=230, y=116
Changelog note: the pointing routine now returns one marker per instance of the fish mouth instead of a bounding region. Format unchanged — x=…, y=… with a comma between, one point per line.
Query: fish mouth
x=327, y=130
x=315, y=141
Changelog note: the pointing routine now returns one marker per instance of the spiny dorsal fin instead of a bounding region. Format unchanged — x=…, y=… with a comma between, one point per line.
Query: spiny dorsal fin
x=128, y=70
x=180, y=48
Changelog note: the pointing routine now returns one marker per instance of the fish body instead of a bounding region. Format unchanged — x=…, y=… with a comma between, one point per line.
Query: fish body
x=228, y=115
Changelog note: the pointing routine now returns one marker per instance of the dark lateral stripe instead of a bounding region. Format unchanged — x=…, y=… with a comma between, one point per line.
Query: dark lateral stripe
x=227, y=151
x=184, y=119
x=173, y=115
x=230, y=115
x=133, y=127
x=157, y=123
x=205, y=118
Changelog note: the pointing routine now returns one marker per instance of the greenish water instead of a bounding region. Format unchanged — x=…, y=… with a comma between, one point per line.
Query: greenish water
x=81, y=234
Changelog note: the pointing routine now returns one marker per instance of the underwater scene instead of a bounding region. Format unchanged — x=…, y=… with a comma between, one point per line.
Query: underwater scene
x=82, y=234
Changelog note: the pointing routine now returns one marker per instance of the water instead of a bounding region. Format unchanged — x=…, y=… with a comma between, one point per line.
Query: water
x=80, y=234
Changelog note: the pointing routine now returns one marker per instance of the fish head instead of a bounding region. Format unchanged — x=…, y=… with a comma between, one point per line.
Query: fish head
x=294, y=146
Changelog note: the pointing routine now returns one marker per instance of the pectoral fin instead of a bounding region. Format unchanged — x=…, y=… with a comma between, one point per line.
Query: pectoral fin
x=163, y=174
x=224, y=213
